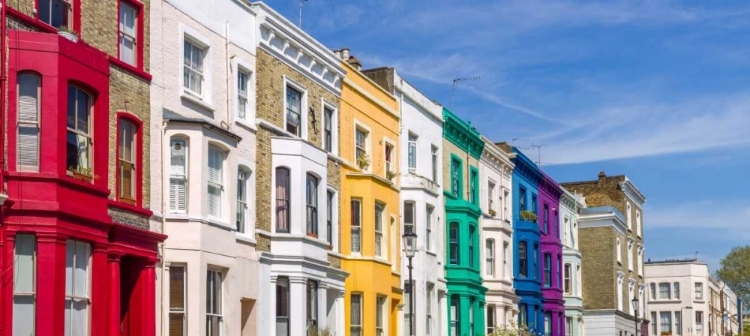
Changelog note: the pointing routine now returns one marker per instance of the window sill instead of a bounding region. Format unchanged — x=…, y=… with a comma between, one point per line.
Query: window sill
x=246, y=238
x=130, y=68
x=130, y=207
x=191, y=97
x=246, y=124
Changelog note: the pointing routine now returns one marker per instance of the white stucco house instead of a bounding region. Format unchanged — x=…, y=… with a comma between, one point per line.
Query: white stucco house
x=203, y=158
x=300, y=288
x=570, y=207
x=495, y=172
x=421, y=201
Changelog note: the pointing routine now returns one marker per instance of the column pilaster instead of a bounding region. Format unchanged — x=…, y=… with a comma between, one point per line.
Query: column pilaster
x=149, y=298
x=50, y=300
x=99, y=289
x=114, y=294
x=297, y=312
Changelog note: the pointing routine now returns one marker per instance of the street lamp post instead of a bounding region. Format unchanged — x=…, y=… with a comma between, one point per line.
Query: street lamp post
x=410, y=248
x=636, y=305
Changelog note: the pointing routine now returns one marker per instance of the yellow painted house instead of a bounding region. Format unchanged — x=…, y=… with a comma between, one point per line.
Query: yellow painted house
x=370, y=212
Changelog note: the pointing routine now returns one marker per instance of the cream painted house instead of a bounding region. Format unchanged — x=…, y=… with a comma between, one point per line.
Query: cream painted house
x=203, y=154
x=495, y=174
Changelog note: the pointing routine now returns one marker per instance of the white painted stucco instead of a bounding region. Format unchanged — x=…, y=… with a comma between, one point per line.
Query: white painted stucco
x=570, y=205
x=495, y=171
x=423, y=118
x=196, y=240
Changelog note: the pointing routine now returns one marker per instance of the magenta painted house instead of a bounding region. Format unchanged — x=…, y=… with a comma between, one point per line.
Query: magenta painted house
x=551, y=246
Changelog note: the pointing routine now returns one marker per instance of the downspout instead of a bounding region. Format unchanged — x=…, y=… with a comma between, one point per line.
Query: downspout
x=163, y=324
x=3, y=87
x=228, y=72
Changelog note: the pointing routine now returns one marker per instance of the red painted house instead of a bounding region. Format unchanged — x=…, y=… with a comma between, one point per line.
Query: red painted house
x=78, y=255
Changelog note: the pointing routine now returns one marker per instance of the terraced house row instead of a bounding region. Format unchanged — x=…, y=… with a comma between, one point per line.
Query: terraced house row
x=188, y=167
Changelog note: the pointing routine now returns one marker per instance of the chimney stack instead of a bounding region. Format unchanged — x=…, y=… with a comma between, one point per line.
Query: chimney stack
x=602, y=175
x=345, y=54
x=337, y=52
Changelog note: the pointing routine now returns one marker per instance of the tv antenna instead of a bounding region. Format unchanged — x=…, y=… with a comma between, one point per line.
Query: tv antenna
x=538, y=153
x=300, y=12
x=458, y=80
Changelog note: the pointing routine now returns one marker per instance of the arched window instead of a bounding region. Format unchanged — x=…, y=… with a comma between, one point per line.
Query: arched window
x=29, y=87
x=215, y=180
x=312, y=204
x=282, y=199
x=178, y=177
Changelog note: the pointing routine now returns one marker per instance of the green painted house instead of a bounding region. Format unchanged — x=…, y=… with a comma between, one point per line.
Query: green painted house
x=462, y=148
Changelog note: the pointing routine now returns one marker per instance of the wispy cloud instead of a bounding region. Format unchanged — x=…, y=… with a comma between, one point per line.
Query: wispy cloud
x=707, y=215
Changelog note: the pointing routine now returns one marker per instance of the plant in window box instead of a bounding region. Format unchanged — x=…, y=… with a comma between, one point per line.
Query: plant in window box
x=492, y=213
x=511, y=330
x=666, y=333
x=390, y=175
x=82, y=173
x=67, y=33
x=314, y=331
x=363, y=161
x=528, y=215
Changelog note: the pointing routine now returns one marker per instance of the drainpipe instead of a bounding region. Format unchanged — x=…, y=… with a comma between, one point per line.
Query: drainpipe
x=3, y=87
x=228, y=72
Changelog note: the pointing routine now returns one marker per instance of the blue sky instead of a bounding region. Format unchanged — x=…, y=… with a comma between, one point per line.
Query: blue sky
x=656, y=90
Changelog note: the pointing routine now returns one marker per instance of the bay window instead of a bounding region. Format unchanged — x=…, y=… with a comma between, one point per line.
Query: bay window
x=455, y=317
x=282, y=306
x=356, y=223
x=489, y=257
x=547, y=270
x=79, y=154
x=214, y=301
x=379, y=313
x=329, y=217
x=356, y=314
x=283, y=212
x=24, y=285
x=409, y=216
x=29, y=92
x=178, y=176
x=523, y=270
x=243, y=176
x=177, y=311
x=379, y=243
x=312, y=304
x=215, y=192
x=453, y=241
x=312, y=205
x=77, y=288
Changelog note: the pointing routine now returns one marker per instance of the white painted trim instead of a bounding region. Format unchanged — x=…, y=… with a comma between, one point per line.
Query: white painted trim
x=205, y=99
x=303, y=106
x=238, y=65
x=334, y=125
x=368, y=143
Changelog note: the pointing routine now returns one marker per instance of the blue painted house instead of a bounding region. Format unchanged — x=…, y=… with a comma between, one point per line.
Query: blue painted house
x=526, y=240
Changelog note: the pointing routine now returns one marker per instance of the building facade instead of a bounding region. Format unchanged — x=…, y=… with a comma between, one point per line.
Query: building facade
x=611, y=241
x=723, y=309
x=203, y=106
x=570, y=207
x=462, y=150
x=371, y=239
x=79, y=254
x=495, y=172
x=552, y=264
x=301, y=283
x=526, y=240
x=420, y=173
x=679, y=297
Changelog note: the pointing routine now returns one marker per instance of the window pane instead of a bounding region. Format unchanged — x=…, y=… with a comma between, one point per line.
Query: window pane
x=24, y=315
x=24, y=266
x=282, y=199
x=356, y=318
x=176, y=288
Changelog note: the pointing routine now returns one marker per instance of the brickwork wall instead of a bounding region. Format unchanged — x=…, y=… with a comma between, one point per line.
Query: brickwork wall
x=598, y=273
x=129, y=94
x=24, y=6
x=270, y=97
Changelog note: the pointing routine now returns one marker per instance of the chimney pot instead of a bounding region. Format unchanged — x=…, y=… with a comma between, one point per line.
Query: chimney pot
x=602, y=174
x=345, y=54
x=337, y=52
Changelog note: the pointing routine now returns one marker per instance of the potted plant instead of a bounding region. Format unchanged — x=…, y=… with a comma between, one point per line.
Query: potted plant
x=528, y=216
x=82, y=173
x=68, y=33
x=511, y=330
x=492, y=212
x=666, y=333
x=363, y=161
x=390, y=175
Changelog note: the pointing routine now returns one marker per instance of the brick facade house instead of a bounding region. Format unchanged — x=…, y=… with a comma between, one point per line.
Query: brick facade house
x=612, y=245
x=77, y=245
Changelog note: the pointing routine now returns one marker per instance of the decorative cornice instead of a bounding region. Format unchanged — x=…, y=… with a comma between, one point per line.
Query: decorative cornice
x=462, y=134
x=525, y=167
x=631, y=191
x=496, y=158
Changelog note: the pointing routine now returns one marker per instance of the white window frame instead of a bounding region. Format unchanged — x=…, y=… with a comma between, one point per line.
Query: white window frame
x=132, y=160
x=302, y=109
x=243, y=98
x=489, y=257
x=174, y=207
x=205, y=98
x=123, y=35
x=215, y=314
x=435, y=157
x=652, y=291
x=389, y=165
x=277, y=317
x=380, y=238
x=628, y=215
x=311, y=304
x=490, y=195
x=506, y=252
x=216, y=184
x=32, y=126
x=638, y=222
x=24, y=325
x=182, y=312
x=202, y=46
x=380, y=320
x=243, y=201
x=356, y=228
x=676, y=290
x=568, y=278
x=413, y=223
x=668, y=291
x=699, y=290
x=429, y=213
x=631, y=243
x=619, y=251
x=665, y=318
x=356, y=329
x=334, y=125
x=428, y=308
x=78, y=297
x=361, y=127
x=412, y=151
